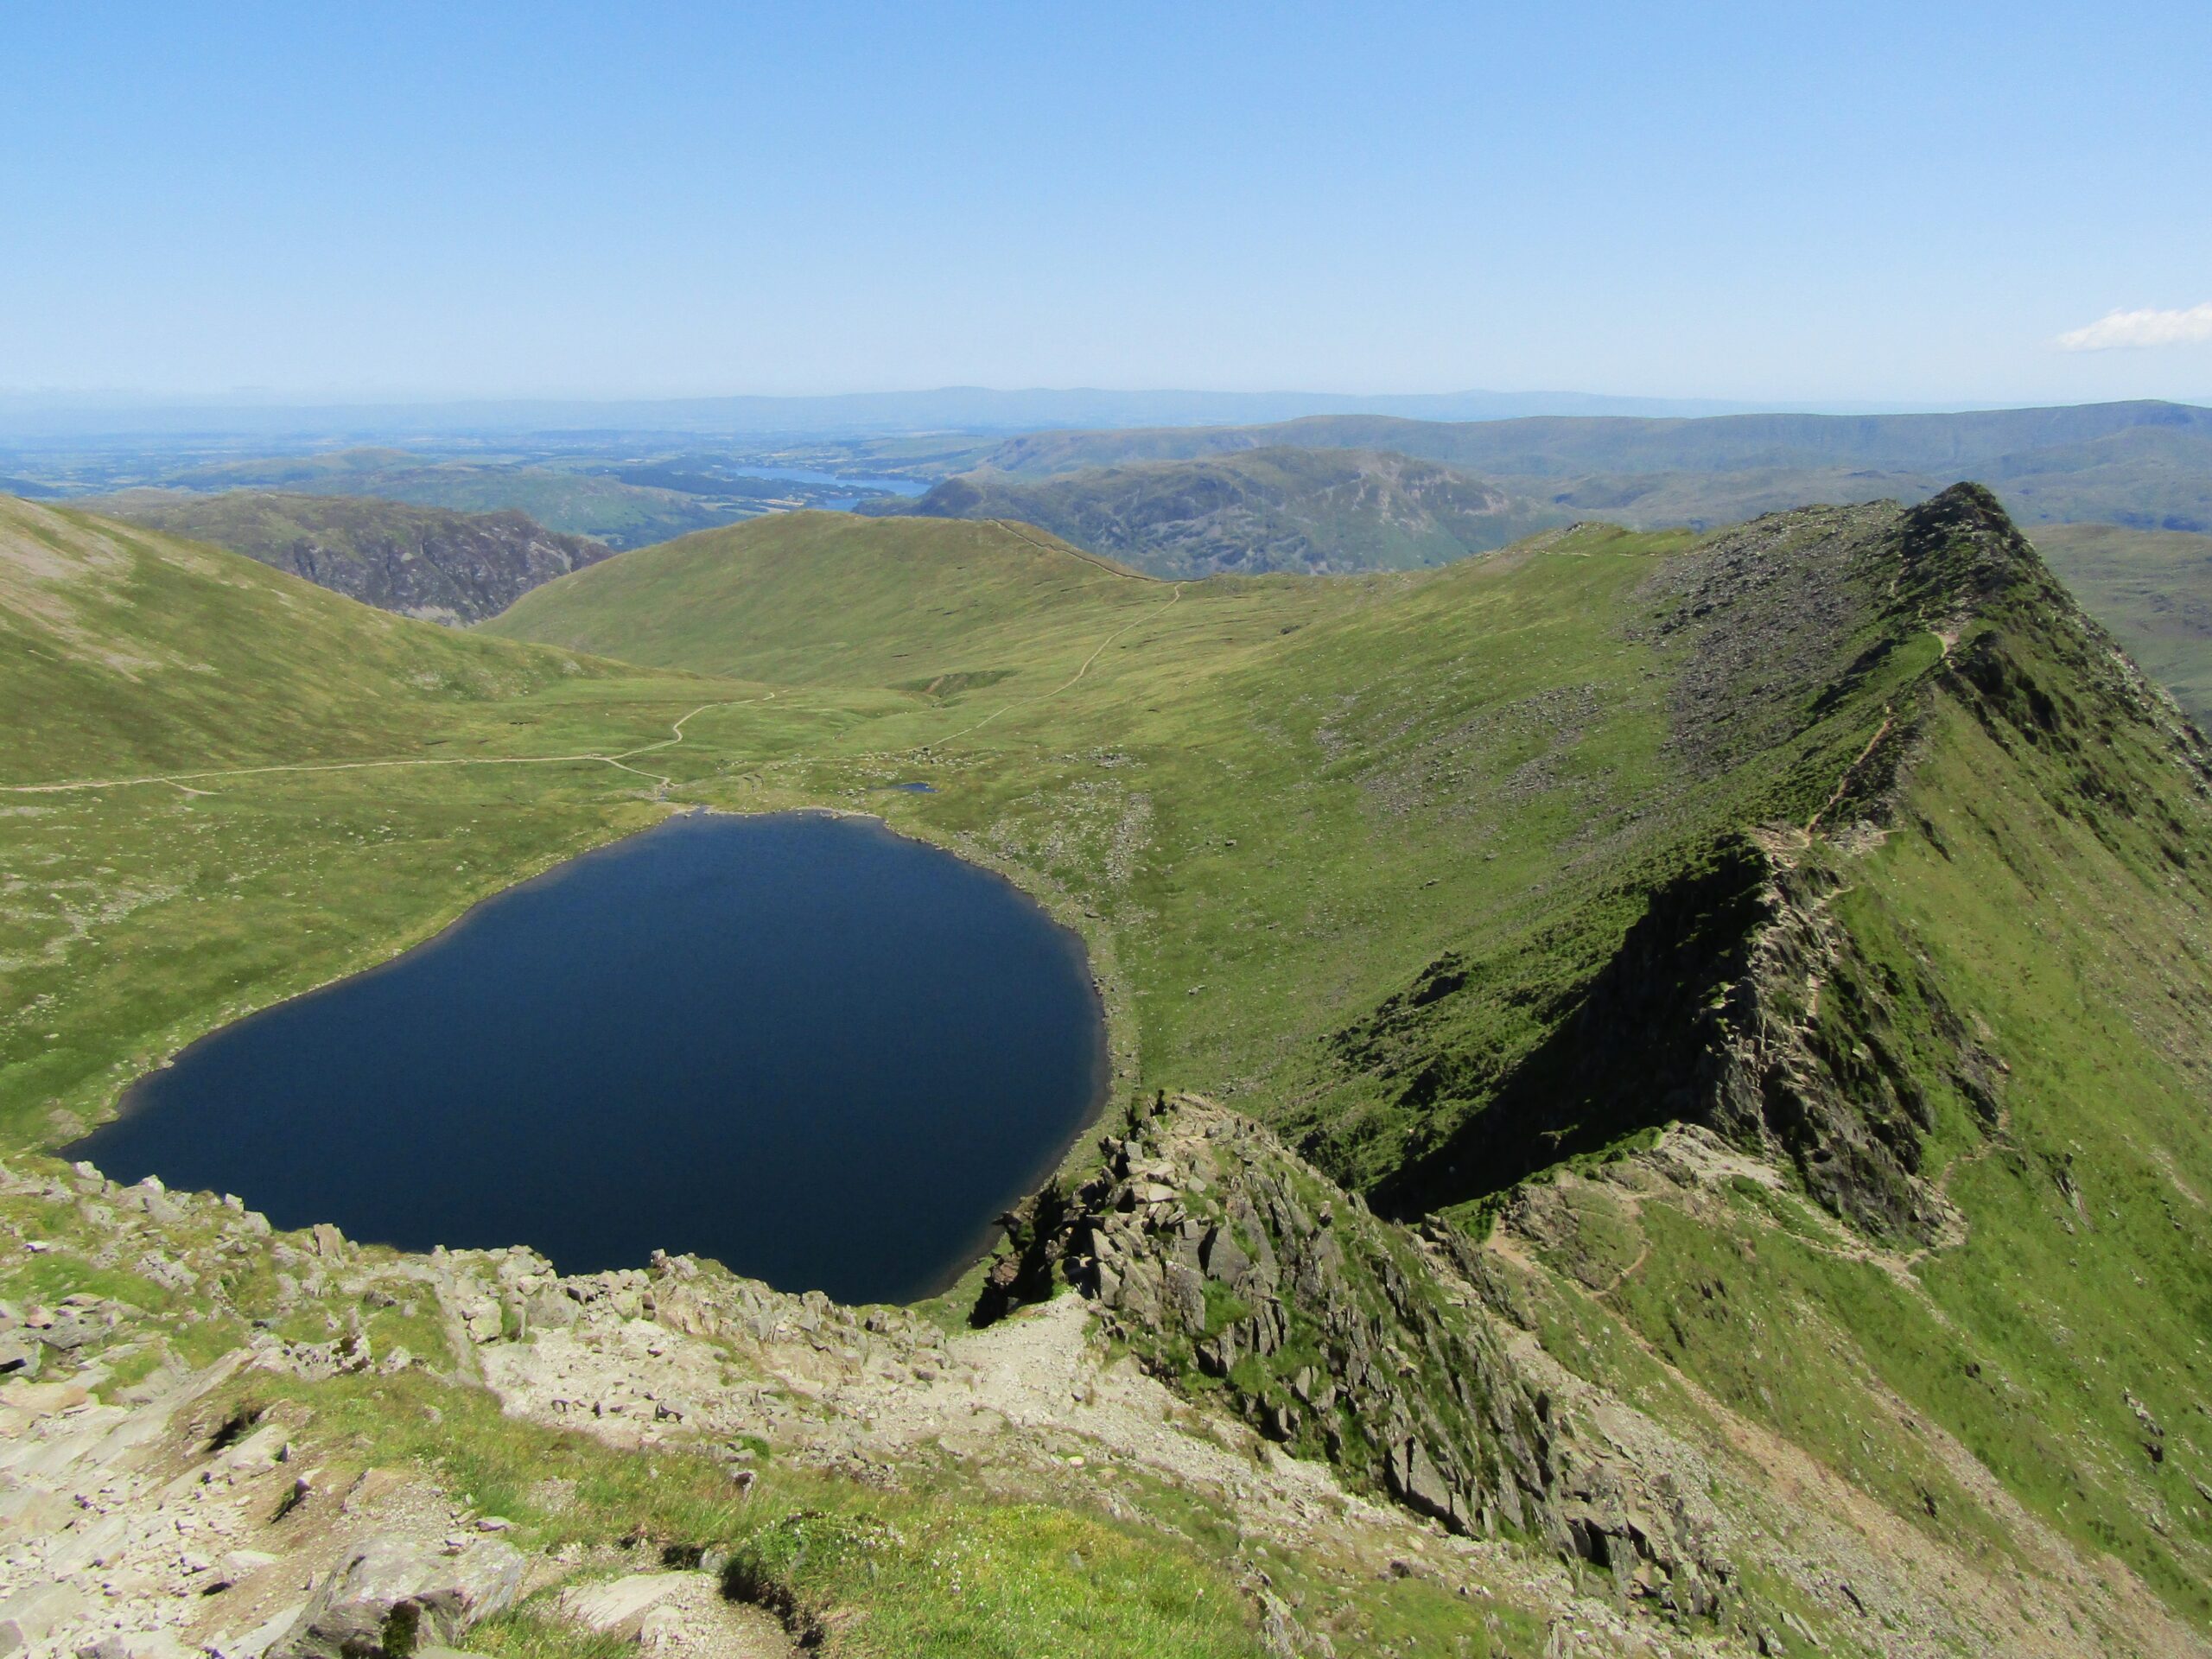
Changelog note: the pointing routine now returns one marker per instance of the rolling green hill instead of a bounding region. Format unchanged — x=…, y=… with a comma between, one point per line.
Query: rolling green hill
x=421, y=561
x=1305, y=511
x=134, y=652
x=809, y=598
x=1329, y=511
x=1709, y=1035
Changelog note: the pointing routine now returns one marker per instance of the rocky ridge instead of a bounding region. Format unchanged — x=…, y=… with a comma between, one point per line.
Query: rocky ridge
x=1219, y=1254
x=1737, y=1000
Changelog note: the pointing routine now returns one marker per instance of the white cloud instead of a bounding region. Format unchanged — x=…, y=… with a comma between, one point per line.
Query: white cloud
x=2125, y=330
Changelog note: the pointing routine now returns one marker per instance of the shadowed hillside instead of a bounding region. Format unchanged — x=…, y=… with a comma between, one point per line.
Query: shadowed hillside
x=421, y=561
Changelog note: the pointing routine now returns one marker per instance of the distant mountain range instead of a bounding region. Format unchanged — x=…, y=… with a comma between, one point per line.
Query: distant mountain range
x=1308, y=511
x=575, y=503
x=2144, y=465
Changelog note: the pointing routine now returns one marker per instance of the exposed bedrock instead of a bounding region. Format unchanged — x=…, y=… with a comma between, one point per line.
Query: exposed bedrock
x=1231, y=1266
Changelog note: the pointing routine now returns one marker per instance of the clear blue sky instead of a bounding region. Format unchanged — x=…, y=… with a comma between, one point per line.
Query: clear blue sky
x=1865, y=202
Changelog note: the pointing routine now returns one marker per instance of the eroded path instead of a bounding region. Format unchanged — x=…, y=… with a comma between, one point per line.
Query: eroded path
x=181, y=778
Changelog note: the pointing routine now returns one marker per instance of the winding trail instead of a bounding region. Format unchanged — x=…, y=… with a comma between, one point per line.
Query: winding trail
x=179, y=780
x=1069, y=551
x=1843, y=784
x=1945, y=639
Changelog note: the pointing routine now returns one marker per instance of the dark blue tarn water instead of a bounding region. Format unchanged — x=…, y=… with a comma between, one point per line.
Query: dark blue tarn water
x=824, y=1055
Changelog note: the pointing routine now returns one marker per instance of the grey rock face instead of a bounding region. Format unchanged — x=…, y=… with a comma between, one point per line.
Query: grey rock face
x=29, y=1614
x=1202, y=1237
x=442, y=566
x=395, y=1596
x=1210, y=1247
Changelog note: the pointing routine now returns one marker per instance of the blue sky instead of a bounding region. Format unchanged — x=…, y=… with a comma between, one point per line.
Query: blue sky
x=1872, y=202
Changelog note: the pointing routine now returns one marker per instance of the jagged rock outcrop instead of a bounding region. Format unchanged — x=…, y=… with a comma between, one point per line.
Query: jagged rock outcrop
x=393, y=1595
x=1826, y=1058
x=1219, y=1254
x=1228, y=1263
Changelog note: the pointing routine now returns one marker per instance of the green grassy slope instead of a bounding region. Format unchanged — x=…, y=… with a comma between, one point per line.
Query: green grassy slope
x=1309, y=510
x=807, y=598
x=1840, y=833
x=1283, y=798
x=2020, y=965
x=132, y=652
x=2153, y=589
x=1444, y=874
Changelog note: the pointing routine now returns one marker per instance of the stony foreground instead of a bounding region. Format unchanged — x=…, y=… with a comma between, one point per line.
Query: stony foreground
x=1206, y=1279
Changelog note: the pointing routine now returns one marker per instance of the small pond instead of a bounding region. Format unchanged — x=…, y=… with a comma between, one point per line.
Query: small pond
x=821, y=1053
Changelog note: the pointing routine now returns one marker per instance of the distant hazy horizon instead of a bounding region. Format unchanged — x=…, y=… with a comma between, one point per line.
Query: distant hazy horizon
x=40, y=418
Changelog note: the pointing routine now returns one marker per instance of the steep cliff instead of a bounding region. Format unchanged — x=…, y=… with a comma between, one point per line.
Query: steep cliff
x=442, y=566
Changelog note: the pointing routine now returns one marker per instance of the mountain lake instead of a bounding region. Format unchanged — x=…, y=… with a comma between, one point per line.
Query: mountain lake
x=824, y=1054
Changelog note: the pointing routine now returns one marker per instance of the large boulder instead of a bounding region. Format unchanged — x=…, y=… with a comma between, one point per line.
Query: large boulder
x=620, y=1607
x=391, y=1598
x=28, y=1616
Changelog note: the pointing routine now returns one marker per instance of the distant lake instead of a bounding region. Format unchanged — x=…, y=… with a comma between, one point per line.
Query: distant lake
x=801, y=475
x=824, y=1055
